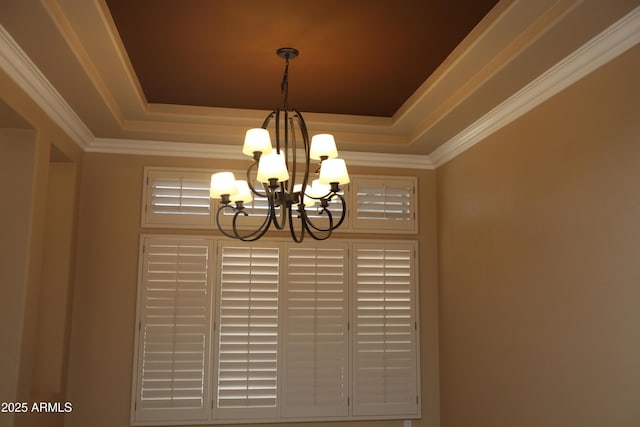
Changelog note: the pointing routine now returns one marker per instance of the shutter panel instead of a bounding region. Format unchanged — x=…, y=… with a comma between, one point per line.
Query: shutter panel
x=385, y=204
x=385, y=352
x=316, y=346
x=177, y=198
x=173, y=341
x=248, y=332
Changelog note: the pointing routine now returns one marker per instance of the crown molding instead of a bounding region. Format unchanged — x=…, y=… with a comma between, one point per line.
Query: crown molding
x=388, y=160
x=606, y=46
x=232, y=152
x=19, y=67
x=164, y=148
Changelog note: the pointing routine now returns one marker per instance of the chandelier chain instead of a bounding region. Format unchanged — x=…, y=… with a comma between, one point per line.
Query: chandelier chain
x=284, y=86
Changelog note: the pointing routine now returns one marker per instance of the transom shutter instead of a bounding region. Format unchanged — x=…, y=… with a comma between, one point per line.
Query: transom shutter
x=175, y=317
x=316, y=336
x=385, y=204
x=247, y=356
x=385, y=343
x=177, y=198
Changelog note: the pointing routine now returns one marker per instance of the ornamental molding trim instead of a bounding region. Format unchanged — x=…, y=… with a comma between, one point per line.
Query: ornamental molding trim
x=606, y=46
x=19, y=67
x=231, y=152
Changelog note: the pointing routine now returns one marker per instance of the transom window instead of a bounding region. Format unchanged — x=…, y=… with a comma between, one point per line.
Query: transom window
x=179, y=198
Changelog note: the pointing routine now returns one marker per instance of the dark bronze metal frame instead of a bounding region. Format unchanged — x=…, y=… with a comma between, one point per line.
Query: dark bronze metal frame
x=280, y=196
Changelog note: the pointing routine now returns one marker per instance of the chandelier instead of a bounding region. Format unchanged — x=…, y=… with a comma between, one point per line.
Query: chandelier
x=293, y=200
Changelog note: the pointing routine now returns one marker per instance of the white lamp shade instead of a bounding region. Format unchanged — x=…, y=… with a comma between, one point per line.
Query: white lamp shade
x=222, y=183
x=334, y=170
x=323, y=145
x=308, y=201
x=319, y=189
x=242, y=192
x=272, y=166
x=257, y=139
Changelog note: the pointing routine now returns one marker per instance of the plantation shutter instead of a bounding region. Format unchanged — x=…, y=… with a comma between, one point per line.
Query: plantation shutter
x=247, y=356
x=173, y=339
x=177, y=199
x=385, y=337
x=385, y=204
x=316, y=345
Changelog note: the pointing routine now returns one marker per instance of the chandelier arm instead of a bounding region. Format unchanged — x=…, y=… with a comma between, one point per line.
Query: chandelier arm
x=315, y=227
x=286, y=138
x=277, y=120
x=307, y=222
x=284, y=206
x=330, y=215
x=254, y=235
x=235, y=235
x=292, y=178
x=250, y=182
x=306, y=145
x=222, y=230
x=344, y=211
x=265, y=123
x=294, y=234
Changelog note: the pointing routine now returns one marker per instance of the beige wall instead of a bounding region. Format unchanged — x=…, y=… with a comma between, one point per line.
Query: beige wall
x=24, y=281
x=17, y=150
x=102, y=348
x=539, y=264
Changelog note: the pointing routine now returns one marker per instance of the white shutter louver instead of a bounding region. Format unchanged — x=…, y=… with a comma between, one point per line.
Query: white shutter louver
x=385, y=204
x=248, y=332
x=385, y=359
x=316, y=346
x=173, y=344
x=177, y=198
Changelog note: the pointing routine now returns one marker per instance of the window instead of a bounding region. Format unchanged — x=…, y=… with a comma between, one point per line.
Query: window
x=275, y=331
x=179, y=198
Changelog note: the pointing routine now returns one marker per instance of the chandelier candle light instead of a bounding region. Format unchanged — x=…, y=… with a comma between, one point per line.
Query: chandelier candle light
x=272, y=177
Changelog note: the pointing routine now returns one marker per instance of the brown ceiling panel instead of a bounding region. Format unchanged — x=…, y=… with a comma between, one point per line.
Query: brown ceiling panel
x=358, y=57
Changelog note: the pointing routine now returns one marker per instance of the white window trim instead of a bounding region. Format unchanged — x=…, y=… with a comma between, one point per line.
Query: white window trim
x=210, y=391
